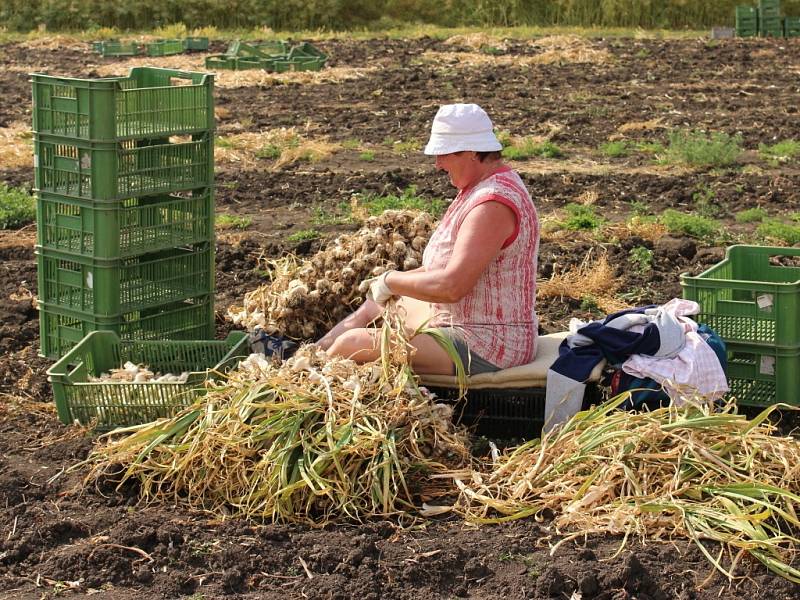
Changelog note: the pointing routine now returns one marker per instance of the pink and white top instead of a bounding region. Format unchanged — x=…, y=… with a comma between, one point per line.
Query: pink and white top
x=498, y=316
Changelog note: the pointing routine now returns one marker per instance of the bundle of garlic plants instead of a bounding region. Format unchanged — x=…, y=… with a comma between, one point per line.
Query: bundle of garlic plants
x=692, y=472
x=311, y=439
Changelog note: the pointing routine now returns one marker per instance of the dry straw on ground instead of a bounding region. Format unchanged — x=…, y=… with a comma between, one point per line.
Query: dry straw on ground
x=234, y=79
x=594, y=277
x=290, y=146
x=476, y=41
x=16, y=148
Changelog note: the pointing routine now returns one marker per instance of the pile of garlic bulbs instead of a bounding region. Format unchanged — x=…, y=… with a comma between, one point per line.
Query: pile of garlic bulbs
x=133, y=373
x=307, y=297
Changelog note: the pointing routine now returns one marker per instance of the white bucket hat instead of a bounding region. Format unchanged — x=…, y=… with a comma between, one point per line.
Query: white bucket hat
x=458, y=127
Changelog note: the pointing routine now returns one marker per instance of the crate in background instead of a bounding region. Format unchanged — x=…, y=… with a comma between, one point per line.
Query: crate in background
x=115, y=403
x=761, y=376
x=752, y=296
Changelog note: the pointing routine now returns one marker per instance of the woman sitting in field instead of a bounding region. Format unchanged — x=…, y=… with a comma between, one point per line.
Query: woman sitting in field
x=477, y=283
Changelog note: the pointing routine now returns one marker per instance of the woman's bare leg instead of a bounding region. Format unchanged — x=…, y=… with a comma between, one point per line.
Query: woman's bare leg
x=361, y=344
x=365, y=314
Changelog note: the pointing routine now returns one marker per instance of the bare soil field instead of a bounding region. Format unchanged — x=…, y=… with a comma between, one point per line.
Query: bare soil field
x=61, y=538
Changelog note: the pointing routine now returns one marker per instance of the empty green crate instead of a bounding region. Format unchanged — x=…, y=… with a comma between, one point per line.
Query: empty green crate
x=60, y=329
x=118, y=48
x=237, y=63
x=164, y=47
x=105, y=288
x=119, y=170
x=111, y=404
x=297, y=64
x=760, y=376
x=195, y=43
x=750, y=296
x=120, y=229
x=149, y=102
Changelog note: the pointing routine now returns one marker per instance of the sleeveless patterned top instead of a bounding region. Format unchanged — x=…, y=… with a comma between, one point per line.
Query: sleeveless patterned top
x=498, y=316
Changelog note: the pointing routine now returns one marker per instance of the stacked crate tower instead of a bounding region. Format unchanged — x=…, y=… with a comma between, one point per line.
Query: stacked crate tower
x=124, y=176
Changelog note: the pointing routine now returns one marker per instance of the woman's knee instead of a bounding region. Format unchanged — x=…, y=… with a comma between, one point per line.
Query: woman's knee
x=356, y=343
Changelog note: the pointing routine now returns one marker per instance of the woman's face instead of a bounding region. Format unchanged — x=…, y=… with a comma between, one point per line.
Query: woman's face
x=462, y=167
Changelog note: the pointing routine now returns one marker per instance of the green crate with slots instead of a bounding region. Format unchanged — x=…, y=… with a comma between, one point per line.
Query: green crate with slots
x=760, y=376
x=121, y=229
x=164, y=47
x=120, y=170
x=195, y=44
x=148, y=103
x=111, y=404
x=752, y=296
x=60, y=329
x=118, y=48
x=104, y=288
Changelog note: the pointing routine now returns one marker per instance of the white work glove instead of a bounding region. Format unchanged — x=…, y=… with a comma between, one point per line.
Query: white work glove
x=379, y=291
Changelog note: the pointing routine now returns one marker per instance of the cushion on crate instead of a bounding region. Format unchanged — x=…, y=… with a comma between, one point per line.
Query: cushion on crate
x=523, y=376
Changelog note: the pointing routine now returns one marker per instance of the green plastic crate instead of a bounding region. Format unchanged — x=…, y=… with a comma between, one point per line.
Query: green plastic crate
x=118, y=48
x=195, y=44
x=237, y=63
x=164, y=47
x=60, y=329
x=115, y=230
x=120, y=170
x=760, y=376
x=118, y=404
x=104, y=288
x=305, y=50
x=149, y=102
x=749, y=297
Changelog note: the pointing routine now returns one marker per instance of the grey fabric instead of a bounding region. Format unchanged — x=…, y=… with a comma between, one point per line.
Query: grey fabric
x=563, y=398
x=473, y=364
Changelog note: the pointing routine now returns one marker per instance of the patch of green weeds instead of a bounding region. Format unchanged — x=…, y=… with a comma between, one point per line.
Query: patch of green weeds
x=782, y=152
x=615, y=149
x=640, y=208
x=367, y=155
x=772, y=229
x=342, y=215
x=406, y=146
x=407, y=200
x=229, y=221
x=642, y=257
x=528, y=147
x=581, y=216
x=654, y=148
x=589, y=303
x=270, y=151
x=491, y=50
x=352, y=144
x=751, y=215
x=704, y=202
x=17, y=208
x=504, y=137
x=689, y=224
x=223, y=142
x=303, y=235
x=698, y=148
x=643, y=53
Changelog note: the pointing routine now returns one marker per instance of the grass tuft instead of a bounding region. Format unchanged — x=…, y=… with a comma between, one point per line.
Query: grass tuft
x=231, y=221
x=774, y=230
x=304, y=235
x=751, y=215
x=697, y=148
x=581, y=216
x=688, y=224
x=523, y=148
x=782, y=152
x=615, y=149
x=406, y=200
x=17, y=208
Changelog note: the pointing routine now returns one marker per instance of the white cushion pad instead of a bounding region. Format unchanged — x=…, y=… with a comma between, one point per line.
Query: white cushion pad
x=523, y=376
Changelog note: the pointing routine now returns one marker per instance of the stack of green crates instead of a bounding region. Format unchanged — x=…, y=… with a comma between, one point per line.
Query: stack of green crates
x=752, y=300
x=124, y=177
x=791, y=26
x=746, y=21
x=769, y=18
